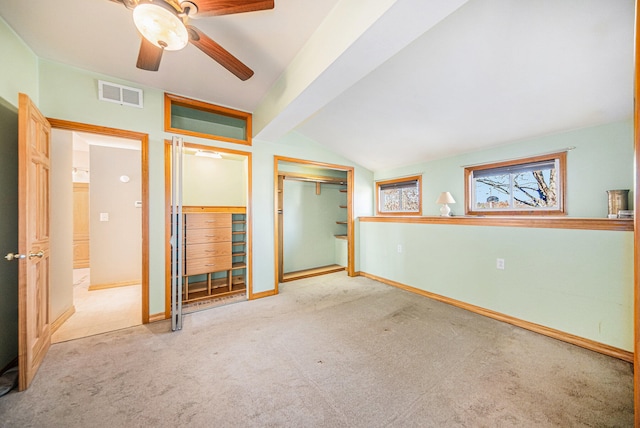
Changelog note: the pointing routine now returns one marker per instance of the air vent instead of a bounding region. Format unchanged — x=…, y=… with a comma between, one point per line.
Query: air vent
x=120, y=94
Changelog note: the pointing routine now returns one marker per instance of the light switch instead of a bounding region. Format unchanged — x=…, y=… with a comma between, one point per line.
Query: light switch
x=104, y=216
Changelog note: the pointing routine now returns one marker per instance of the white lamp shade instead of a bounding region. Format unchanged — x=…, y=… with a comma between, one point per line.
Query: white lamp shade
x=445, y=198
x=160, y=25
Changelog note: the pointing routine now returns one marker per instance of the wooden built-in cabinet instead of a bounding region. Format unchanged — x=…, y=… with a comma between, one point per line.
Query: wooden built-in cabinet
x=214, y=263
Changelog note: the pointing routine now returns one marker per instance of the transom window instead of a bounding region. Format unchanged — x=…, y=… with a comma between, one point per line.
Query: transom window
x=401, y=196
x=522, y=187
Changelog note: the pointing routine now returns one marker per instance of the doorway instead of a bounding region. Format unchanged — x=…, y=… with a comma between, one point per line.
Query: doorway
x=216, y=249
x=314, y=219
x=101, y=220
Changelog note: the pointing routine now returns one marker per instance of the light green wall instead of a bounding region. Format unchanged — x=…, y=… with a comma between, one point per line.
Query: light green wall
x=214, y=182
x=602, y=160
x=19, y=70
x=295, y=146
x=575, y=281
x=71, y=94
x=310, y=224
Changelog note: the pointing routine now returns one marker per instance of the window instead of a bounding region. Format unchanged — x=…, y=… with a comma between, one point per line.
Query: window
x=522, y=187
x=402, y=196
x=204, y=120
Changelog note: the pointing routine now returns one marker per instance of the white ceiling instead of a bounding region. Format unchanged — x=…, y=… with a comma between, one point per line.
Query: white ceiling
x=424, y=81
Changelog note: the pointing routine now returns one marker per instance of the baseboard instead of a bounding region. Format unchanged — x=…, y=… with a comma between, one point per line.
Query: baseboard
x=262, y=294
x=537, y=328
x=62, y=318
x=309, y=273
x=113, y=285
x=160, y=316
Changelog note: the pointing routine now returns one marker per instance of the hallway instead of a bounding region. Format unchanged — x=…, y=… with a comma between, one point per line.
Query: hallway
x=99, y=311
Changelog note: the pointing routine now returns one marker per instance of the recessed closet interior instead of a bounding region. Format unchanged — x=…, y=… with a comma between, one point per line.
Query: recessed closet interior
x=313, y=220
x=215, y=256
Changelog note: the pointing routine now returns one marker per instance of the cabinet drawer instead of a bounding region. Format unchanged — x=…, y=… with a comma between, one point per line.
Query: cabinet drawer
x=210, y=249
x=207, y=220
x=209, y=264
x=203, y=236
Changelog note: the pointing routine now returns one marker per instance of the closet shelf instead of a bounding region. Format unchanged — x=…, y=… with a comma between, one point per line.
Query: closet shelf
x=238, y=243
x=341, y=236
x=239, y=265
x=343, y=206
x=341, y=222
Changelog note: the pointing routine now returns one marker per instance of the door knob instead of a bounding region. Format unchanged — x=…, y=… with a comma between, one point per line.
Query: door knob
x=39, y=254
x=12, y=256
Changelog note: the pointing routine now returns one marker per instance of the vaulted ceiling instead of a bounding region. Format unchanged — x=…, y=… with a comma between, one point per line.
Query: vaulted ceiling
x=386, y=83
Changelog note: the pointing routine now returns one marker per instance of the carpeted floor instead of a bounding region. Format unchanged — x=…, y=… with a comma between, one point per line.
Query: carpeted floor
x=328, y=351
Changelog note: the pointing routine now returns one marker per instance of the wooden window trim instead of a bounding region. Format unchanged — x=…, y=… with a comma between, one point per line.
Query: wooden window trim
x=562, y=180
x=620, y=225
x=171, y=100
x=417, y=178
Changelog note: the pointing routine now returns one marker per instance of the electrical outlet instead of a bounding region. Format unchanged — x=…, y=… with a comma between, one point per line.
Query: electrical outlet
x=500, y=264
x=104, y=216
x=399, y=248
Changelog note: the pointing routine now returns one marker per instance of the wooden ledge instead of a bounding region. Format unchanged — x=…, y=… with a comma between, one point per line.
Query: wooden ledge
x=523, y=221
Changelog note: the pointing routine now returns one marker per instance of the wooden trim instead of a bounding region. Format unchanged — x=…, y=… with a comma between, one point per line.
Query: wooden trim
x=636, y=235
x=278, y=225
x=113, y=285
x=350, y=218
x=167, y=229
x=537, y=328
x=144, y=172
x=160, y=316
x=309, y=273
x=561, y=185
x=532, y=222
x=351, y=248
x=62, y=318
x=263, y=294
x=170, y=99
x=320, y=179
x=417, y=178
x=199, y=209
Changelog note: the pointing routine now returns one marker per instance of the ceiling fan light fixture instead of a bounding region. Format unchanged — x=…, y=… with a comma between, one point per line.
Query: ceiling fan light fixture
x=161, y=25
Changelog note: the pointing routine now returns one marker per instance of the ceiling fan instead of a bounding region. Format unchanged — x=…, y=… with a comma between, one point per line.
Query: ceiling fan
x=164, y=25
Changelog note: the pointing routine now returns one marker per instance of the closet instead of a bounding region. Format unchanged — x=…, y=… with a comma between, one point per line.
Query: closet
x=313, y=220
x=214, y=255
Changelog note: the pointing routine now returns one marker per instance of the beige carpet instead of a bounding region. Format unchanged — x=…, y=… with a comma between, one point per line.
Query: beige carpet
x=328, y=351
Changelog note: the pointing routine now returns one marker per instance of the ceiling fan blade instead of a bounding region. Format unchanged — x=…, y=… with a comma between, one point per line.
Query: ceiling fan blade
x=228, y=7
x=149, y=56
x=129, y=4
x=218, y=53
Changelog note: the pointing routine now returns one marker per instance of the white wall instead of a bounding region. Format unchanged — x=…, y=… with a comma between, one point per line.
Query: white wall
x=116, y=244
x=61, y=244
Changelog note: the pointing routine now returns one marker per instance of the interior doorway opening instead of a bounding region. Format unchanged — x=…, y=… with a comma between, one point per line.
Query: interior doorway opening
x=314, y=219
x=99, y=212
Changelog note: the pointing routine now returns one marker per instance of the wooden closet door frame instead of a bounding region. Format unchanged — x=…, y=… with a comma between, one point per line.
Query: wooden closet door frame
x=144, y=172
x=167, y=216
x=278, y=265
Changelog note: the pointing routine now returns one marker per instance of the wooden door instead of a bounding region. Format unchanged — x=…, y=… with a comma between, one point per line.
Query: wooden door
x=80, y=225
x=34, y=334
